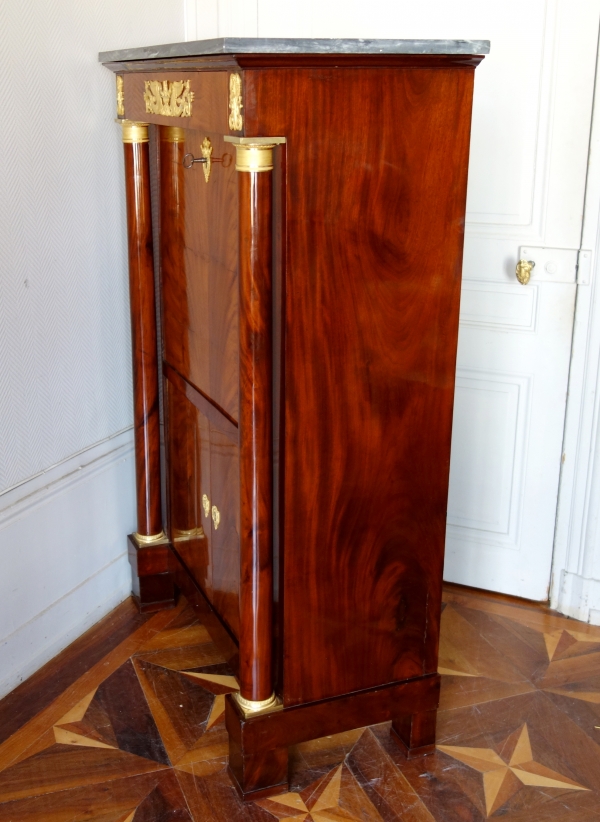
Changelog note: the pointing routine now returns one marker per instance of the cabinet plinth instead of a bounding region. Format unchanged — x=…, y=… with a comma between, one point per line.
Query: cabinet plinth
x=311, y=211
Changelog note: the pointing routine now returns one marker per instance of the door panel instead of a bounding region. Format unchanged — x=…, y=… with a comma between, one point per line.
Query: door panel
x=211, y=286
x=188, y=442
x=225, y=523
x=506, y=444
x=203, y=460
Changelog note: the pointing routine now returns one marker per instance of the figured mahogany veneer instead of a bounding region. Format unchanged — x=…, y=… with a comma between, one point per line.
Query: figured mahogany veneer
x=209, y=109
x=374, y=252
x=199, y=262
x=309, y=314
x=256, y=434
x=143, y=314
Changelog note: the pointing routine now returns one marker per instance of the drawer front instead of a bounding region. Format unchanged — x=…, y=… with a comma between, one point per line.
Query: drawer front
x=199, y=267
x=209, y=108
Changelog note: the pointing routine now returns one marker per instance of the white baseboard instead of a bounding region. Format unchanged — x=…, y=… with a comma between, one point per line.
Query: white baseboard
x=63, y=554
x=579, y=598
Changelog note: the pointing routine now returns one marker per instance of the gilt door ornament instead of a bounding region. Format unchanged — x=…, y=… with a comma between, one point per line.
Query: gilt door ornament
x=120, y=97
x=171, y=99
x=235, y=102
x=207, y=150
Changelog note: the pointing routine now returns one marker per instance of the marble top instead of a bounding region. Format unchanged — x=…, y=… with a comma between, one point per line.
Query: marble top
x=277, y=45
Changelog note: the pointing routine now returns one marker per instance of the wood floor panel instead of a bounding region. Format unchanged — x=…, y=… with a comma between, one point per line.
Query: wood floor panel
x=322, y=754
x=460, y=692
x=186, y=704
x=65, y=766
x=186, y=658
x=37, y=692
x=522, y=649
x=537, y=617
x=139, y=736
x=386, y=786
x=113, y=801
x=165, y=803
x=468, y=650
x=122, y=699
x=214, y=798
x=29, y=734
x=183, y=631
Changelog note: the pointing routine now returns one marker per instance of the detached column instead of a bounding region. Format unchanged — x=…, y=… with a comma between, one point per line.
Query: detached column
x=255, y=770
x=255, y=185
x=148, y=547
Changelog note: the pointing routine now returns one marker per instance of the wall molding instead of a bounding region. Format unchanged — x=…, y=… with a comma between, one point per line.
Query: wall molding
x=22, y=653
x=54, y=479
x=63, y=552
x=579, y=597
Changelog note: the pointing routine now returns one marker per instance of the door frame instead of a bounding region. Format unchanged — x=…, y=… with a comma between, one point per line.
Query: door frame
x=574, y=590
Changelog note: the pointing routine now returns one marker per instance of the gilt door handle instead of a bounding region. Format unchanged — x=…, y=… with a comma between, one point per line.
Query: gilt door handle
x=523, y=271
x=216, y=516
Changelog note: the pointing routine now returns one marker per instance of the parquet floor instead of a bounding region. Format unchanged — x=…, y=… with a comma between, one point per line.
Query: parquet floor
x=138, y=736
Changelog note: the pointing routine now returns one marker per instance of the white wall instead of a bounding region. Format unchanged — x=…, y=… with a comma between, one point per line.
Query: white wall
x=342, y=18
x=65, y=371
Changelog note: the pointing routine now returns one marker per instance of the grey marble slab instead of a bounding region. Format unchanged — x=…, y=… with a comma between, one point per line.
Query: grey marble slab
x=276, y=45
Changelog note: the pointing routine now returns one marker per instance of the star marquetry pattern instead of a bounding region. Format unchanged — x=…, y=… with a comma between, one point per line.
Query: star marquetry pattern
x=322, y=806
x=452, y=672
x=72, y=729
x=501, y=779
x=142, y=736
x=564, y=642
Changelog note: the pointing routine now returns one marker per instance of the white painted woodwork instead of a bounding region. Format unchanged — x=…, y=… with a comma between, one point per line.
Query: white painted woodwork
x=531, y=126
x=576, y=572
x=532, y=134
x=552, y=265
x=506, y=444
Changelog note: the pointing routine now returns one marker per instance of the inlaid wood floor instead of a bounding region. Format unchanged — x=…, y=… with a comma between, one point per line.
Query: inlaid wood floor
x=127, y=726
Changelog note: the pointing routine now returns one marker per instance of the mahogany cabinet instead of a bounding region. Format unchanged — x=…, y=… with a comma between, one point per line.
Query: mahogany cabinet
x=300, y=206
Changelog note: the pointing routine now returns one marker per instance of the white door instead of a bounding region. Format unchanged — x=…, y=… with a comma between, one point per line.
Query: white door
x=531, y=127
x=531, y=124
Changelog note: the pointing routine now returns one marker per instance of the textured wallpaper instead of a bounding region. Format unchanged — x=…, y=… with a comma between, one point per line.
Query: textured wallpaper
x=64, y=325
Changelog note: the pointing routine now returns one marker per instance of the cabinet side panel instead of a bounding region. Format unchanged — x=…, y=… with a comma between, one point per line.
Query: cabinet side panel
x=376, y=187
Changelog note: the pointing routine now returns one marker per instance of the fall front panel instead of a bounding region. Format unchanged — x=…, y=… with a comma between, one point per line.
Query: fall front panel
x=199, y=264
